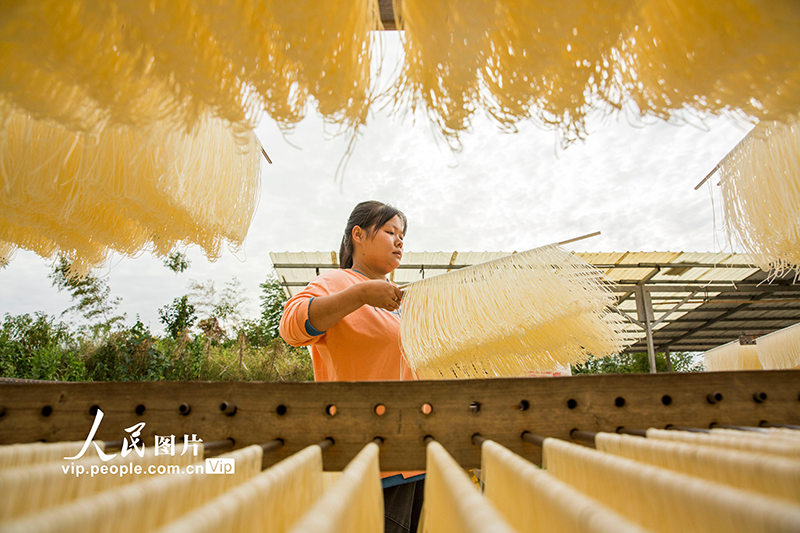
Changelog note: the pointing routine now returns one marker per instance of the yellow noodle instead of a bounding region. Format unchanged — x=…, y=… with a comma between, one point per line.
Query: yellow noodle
x=534, y=501
x=760, y=181
x=123, y=190
x=742, y=441
x=525, y=312
x=780, y=349
x=90, y=62
x=452, y=501
x=354, y=504
x=732, y=356
x=665, y=501
x=19, y=455
x=740, y=57
x=142, y=506
x=773, y=476
x=31, y=489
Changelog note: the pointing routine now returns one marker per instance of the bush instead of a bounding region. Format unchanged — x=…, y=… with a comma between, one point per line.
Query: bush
x=38, y=347
x=633, y=363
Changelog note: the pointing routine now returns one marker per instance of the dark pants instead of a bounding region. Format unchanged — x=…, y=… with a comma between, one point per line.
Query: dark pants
x=402, y=505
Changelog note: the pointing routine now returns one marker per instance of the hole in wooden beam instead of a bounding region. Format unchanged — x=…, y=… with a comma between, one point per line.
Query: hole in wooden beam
x=331, y=410
x=380, y=409
x=474, y=407
x=140, y=409
x=572, y=403
x=524, y=405
x=714, y=397
x=47, y=410
x=281, y=410
x=93, y=410
x=426, y=409
x=185, y=409
x=666, y=399
x=619, y=401
x=760, y=397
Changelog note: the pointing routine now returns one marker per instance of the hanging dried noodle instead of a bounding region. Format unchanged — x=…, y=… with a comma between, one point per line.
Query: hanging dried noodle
x=87, y=63
x=760, y=181
x=525, y=312
x=122, y=190
x=741, y=441
x=769, y=475
x=19, y=455
x=674, y=60
x=650, y=496
x=271, y=501
x=706, y=57
x=354, y=504
x=452, y=501
x=732, y=356
x=780, y=349
x=534, y=501
x=142, y=506
x=27, y=490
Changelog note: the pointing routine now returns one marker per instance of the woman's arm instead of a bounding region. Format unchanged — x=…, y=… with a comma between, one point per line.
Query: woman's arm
x=325, y=311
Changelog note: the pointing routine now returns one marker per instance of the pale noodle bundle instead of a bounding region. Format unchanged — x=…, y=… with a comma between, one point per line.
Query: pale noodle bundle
x=354, y=504
x=773, y=476
x=760, y=180
x=671, y=59
x=534, y=501
x=665, y=501
x=741, y=441
x=86, y=63
x=19, y=455
x=452, y=501
x=732, y=356
x=737, y=58
x=123, y=189
x=780, y=349
x=525, y=312
x=271, y=501
x=142, y=506
x=30, y=489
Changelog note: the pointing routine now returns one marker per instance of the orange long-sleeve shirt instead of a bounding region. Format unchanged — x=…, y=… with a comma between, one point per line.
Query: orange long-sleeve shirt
x=363, y=346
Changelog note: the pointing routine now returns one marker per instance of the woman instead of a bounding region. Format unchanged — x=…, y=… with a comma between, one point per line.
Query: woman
x=351, y=319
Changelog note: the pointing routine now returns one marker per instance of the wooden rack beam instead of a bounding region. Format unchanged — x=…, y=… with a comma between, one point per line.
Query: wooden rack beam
x=300, y=414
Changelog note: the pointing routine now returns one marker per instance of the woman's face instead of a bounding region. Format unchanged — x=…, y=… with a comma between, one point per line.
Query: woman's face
x=384, y=250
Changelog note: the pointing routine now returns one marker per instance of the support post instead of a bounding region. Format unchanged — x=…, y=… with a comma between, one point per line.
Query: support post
x=644, y=309
x=669, y=361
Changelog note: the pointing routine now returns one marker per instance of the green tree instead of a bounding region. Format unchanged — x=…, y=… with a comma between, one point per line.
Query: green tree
x=178, y=316
x=273, y=298
x=634, y=363
x=177, y=262
x=91, y=296
x=38, y=347
x=226, y=307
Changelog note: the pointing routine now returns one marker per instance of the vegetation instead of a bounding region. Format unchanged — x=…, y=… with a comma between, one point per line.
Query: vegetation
x=632, y=363
x=206, y=338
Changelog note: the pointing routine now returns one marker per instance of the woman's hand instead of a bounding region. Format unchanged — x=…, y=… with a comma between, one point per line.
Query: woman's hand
x=380, y=293
x=325, y=311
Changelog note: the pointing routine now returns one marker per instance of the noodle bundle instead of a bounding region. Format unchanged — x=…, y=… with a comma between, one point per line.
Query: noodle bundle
x=123, y=189
x=525, y=312
x=760, y=180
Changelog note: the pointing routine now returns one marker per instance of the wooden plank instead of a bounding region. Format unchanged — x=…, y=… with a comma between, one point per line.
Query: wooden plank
x=24, y=408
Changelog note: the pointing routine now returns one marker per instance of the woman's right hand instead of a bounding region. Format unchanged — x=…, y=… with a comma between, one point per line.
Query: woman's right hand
x=380, y=293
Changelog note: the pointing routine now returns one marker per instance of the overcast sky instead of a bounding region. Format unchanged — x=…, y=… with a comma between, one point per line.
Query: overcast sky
x=501, y=192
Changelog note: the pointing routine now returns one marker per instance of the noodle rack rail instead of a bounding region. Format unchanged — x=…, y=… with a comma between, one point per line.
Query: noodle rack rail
x=348, y=415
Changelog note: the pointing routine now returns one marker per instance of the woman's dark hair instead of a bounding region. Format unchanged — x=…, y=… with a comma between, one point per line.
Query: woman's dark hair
x=369, y=216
